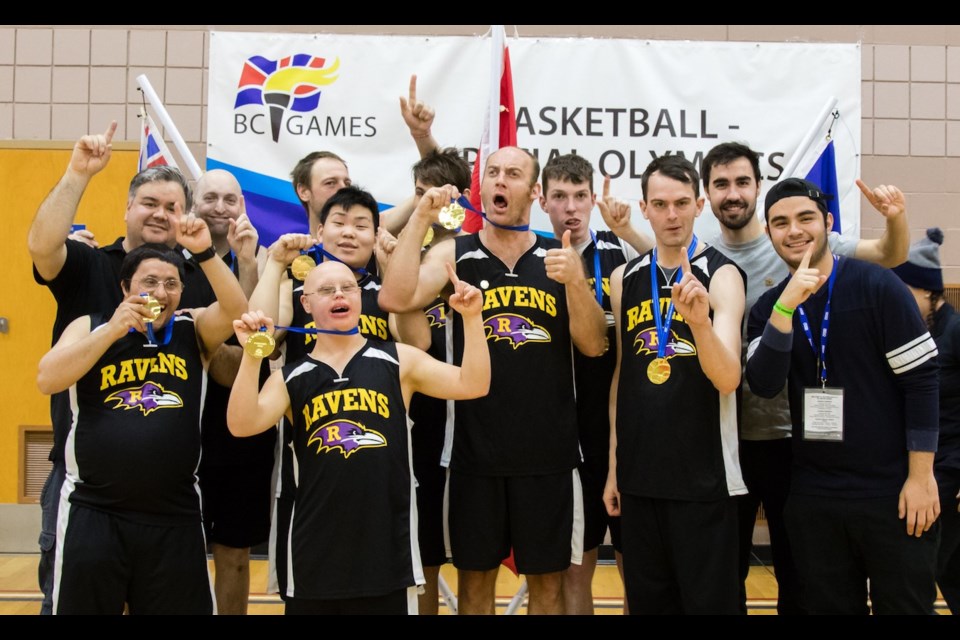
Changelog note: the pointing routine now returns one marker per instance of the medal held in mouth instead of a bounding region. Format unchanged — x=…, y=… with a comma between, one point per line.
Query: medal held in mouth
x=658, y=371
x=154, y=308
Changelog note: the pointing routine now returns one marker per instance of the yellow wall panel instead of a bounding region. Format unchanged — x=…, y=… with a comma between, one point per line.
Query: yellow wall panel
x=26, y=176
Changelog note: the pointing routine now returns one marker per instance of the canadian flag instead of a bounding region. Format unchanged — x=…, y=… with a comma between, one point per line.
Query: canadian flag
x=500, y=126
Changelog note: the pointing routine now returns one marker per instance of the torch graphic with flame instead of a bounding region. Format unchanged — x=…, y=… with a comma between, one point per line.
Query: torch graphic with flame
x=290, y=83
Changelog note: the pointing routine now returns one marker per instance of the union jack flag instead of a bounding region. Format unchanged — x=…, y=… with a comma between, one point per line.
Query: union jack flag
x=153, y=150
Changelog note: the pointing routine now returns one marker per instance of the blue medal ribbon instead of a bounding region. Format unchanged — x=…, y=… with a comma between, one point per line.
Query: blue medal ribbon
x=167, y=334
x=597, y=279
x=318, y=253
x=463, y=202
x=231, y=261
x=805, y=323
x=663, y=326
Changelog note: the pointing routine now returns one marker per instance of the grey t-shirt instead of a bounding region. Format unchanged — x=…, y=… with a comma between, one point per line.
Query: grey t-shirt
x=764, y=419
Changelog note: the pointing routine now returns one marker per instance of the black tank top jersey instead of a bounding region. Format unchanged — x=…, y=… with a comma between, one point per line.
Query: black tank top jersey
x=676, y=440
x=220, y=447
x=354, y=532
x=134, y=445
x=594, y=375
x=373, y=321
x=429, y=415
x=526, y=424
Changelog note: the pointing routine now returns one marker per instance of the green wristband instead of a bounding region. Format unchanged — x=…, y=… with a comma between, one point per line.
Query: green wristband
x=782, y=310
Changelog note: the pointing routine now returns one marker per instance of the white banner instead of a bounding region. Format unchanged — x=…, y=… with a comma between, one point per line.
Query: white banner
x=618, y=103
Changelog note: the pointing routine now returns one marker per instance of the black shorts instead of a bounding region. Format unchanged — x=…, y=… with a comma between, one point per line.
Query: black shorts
x=533, y=515
x=401, y=602
x=236, y=503
x=431, y=486
x=104, y=561
x=680, y=557
x=593, y=477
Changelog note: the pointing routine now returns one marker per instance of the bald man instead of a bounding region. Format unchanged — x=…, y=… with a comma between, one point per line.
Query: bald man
x=234, y=473
x=353, y=538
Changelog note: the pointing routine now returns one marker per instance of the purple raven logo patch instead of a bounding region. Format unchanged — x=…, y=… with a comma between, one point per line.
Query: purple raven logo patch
x=436, y=315
x=517, y=329
x=346, y=436
x=646, y=343
x=148, y=398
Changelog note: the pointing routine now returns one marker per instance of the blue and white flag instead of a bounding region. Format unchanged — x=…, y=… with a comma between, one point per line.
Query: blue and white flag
x=823, y=173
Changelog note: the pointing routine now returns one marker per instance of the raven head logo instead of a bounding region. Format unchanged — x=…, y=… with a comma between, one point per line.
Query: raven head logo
x=147, y=398
x=436, y=315
x=345, y=436
x=517, y=329
x=646, y=343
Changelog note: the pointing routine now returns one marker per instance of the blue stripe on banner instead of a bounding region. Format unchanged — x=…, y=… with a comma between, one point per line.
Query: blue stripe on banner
x=258, y=183
x=273, y=217
x=267, y=186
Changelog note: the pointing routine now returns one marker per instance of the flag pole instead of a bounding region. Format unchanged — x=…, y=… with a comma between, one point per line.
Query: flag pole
x=809, y=138
x=169, y=127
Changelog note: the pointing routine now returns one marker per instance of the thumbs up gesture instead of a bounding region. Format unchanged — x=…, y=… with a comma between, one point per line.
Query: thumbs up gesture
x=564, y=264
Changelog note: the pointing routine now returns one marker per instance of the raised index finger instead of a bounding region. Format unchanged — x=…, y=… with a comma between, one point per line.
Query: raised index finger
x=866, y=191
x=413, y=88
x=452, y=274
x=108, y=135
x=606, y=186
x=805, y=263
x=684, y=260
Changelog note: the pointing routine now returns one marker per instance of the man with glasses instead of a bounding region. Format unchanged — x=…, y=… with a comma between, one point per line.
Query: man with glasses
x=353, y=539
x=129, y=512
x=84, y=280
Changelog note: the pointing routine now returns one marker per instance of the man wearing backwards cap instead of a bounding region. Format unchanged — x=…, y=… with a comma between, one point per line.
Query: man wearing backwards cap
x=861, y=372
x=731, y=182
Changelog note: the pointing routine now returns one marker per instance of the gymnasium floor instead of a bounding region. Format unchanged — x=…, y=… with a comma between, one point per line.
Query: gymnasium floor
x=19, y=593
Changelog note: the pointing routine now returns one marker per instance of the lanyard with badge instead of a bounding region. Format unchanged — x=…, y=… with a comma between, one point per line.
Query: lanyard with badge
x=822, y=406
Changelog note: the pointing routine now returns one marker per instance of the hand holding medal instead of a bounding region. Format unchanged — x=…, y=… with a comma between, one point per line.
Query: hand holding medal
x=134, y=313
x=288, y=250
x=255, y=332
x=440, y=206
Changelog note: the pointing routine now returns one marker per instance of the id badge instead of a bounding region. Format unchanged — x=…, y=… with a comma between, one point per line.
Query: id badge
x=823, y=414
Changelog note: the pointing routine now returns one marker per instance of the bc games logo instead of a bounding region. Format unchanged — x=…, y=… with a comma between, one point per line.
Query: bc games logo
x=288, y=88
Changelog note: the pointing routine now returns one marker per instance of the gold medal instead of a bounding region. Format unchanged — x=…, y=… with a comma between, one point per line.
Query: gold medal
x=153, y=307
x=658, y=371
x=427, y=239
x=302, y=265
x=259, y=345
x=452, y=216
